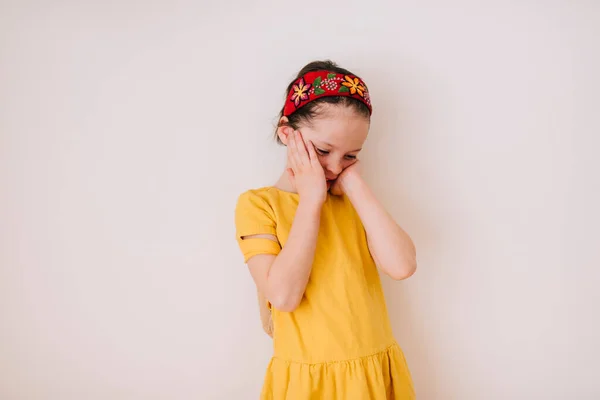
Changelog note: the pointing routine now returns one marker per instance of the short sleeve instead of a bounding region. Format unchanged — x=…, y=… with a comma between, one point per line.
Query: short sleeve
x=254, y=216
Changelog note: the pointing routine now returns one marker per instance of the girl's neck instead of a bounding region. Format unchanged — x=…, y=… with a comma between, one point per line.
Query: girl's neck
x=284, y=184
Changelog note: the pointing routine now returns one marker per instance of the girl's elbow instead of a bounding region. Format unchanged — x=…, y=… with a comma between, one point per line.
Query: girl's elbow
x=286, y=302
x=403, y=270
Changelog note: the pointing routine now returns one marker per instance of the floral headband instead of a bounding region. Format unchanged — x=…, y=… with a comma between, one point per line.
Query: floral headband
x=317, y=84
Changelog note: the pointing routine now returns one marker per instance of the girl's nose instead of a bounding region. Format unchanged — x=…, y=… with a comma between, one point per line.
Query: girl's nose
x=334, y=169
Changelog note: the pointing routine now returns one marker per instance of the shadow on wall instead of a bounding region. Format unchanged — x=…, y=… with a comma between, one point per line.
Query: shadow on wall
x=395, y=169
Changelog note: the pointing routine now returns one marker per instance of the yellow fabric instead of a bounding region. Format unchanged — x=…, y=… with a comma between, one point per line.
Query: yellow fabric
x=338, y=343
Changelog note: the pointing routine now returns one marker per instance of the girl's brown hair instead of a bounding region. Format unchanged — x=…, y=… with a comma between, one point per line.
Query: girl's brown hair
x=305, y=115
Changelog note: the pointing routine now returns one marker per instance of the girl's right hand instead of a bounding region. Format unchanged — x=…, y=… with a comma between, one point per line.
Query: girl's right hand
x=306, y=172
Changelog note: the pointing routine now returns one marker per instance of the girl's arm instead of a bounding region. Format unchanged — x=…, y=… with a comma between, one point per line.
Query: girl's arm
x=391, y=248
x=283, y=278
x=265, y=315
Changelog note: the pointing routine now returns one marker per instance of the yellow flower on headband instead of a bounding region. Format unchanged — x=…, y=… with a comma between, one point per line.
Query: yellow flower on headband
x=300, y=92
x=354, y=86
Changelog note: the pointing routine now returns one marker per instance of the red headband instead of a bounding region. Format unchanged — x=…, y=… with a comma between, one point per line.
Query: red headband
x=315, y=85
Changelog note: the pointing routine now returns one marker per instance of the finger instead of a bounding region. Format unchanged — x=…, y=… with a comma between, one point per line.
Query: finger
x=298, y=149
x=291, y=175
x=293, y=151
x=302, y=152
x=290, y=156
x=312, y=154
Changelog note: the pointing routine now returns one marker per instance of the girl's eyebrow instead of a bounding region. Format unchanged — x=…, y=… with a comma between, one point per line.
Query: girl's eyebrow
x=330, y=145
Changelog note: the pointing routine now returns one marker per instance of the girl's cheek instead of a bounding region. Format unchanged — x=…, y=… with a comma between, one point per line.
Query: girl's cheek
x=348, y=163
x=321, y=159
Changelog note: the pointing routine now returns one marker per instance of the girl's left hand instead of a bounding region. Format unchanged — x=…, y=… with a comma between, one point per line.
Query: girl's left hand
x=349, y=175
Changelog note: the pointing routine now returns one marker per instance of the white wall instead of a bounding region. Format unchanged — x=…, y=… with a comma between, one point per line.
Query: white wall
x=127, y=130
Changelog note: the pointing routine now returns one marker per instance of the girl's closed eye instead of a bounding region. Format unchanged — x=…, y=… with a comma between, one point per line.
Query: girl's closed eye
x=326, y=152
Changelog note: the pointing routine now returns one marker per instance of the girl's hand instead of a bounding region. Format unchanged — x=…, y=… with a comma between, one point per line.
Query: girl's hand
x=349, y=175
x=306, y=172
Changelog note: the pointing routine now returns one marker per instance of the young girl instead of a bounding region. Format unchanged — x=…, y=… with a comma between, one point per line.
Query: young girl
x=313, y=243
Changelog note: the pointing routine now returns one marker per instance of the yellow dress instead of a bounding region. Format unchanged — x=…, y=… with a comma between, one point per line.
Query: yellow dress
x=338, y=343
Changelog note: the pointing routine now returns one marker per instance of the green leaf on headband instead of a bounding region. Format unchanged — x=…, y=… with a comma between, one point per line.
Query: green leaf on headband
x=343, y=89
x=330, y=76
x=319, y=91
x=317, y=82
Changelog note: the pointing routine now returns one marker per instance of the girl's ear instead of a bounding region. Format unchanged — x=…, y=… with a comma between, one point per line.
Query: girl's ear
x=284, y=130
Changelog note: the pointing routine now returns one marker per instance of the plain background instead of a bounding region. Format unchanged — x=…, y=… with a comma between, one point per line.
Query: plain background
x=128, y=129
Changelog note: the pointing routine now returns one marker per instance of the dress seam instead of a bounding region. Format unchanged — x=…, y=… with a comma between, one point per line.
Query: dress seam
x=384, y=350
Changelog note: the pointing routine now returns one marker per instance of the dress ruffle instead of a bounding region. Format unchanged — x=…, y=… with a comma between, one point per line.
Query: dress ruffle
x=381, y=376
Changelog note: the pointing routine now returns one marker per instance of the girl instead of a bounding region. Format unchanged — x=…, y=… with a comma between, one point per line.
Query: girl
x=313, y=243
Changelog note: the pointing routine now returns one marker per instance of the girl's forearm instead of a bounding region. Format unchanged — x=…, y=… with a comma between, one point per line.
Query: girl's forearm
x=391, y=247
x=289, y=273
x=265, y=315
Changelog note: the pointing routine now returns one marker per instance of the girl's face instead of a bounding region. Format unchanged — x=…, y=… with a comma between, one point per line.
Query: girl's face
x=338, y=136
